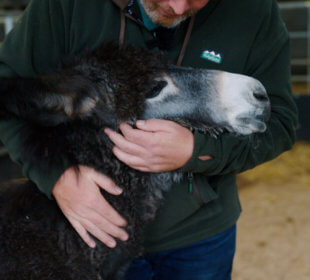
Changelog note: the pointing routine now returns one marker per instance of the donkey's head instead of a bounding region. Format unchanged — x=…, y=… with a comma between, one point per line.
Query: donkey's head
x=213, y=98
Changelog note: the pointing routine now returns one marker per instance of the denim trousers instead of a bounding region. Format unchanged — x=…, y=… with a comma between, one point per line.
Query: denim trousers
x=209, y=259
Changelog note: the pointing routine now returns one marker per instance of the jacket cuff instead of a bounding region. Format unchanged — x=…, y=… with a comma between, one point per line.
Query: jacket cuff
x=203, y=145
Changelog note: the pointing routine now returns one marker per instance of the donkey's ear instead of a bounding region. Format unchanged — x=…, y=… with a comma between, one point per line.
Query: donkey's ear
x=49, y=100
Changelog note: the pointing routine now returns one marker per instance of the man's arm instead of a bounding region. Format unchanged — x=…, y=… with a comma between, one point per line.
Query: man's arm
x=35, y=46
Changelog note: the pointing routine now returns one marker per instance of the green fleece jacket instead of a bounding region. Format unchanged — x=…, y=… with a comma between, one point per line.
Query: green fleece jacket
x=251, y=39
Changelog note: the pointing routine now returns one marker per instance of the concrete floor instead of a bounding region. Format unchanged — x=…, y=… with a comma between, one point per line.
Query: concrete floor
x=273, y=240
x=274, y=233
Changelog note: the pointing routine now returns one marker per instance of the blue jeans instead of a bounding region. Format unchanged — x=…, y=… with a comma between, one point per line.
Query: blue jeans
x=209, y=259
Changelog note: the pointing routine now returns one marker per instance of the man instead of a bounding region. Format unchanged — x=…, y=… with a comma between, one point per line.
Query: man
x=193, y=235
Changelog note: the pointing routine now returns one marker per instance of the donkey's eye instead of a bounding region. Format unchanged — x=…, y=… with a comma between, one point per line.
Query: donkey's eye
x=156, y=89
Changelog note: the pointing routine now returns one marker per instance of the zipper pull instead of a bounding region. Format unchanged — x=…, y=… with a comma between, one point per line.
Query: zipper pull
x=190, y=177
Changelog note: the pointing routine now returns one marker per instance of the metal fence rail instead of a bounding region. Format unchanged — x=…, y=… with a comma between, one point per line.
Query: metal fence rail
x=8, y=19
x=296, y=15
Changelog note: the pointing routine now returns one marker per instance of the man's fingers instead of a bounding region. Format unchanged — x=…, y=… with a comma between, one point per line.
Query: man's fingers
x=105, y=183
x=104, y=209
x=99, y=234
x=124, y=142
x=133, y=161
x=129, y=159
x=153, y=125
x=99, y=226
x=82, y=233
x=132, y=134
x=81, y=201
x=108, y=227
x=135, y=136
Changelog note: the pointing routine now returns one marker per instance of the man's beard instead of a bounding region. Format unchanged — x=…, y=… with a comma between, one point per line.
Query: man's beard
x=152, y=11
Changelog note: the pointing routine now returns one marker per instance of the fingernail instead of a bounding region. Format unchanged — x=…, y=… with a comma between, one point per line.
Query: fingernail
x=140, y=123
x=111, y=243
x=92, y=244
x=107, y=130
x=123, y=223
x=118, y=189
x=125, y=237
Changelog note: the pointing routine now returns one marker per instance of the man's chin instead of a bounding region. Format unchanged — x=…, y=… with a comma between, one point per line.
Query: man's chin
x=168, y=22
x=160, y=16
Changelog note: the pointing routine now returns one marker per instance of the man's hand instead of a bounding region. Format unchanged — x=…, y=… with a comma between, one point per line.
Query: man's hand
x=156, y=146
x=78, y=196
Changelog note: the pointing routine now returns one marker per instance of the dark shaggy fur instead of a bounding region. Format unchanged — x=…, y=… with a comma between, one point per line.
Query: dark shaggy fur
x=67, y=111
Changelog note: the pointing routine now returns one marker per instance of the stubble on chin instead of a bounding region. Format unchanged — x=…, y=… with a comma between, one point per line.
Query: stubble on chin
x=152, y=9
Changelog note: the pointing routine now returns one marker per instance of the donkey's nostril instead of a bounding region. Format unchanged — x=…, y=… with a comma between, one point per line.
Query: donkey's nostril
x=261, y=96
x=156, y=89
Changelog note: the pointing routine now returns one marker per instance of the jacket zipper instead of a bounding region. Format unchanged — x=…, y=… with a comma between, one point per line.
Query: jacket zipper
x=190, y=177
x=192, y=188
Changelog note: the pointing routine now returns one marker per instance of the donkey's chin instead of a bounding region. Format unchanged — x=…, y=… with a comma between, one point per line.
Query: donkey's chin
x=247, y=126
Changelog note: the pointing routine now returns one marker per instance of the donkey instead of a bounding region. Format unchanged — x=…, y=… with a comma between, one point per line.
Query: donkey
x=66, y=112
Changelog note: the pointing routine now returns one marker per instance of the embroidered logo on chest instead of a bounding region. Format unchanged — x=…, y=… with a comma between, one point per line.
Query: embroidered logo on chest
x=212, y=56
